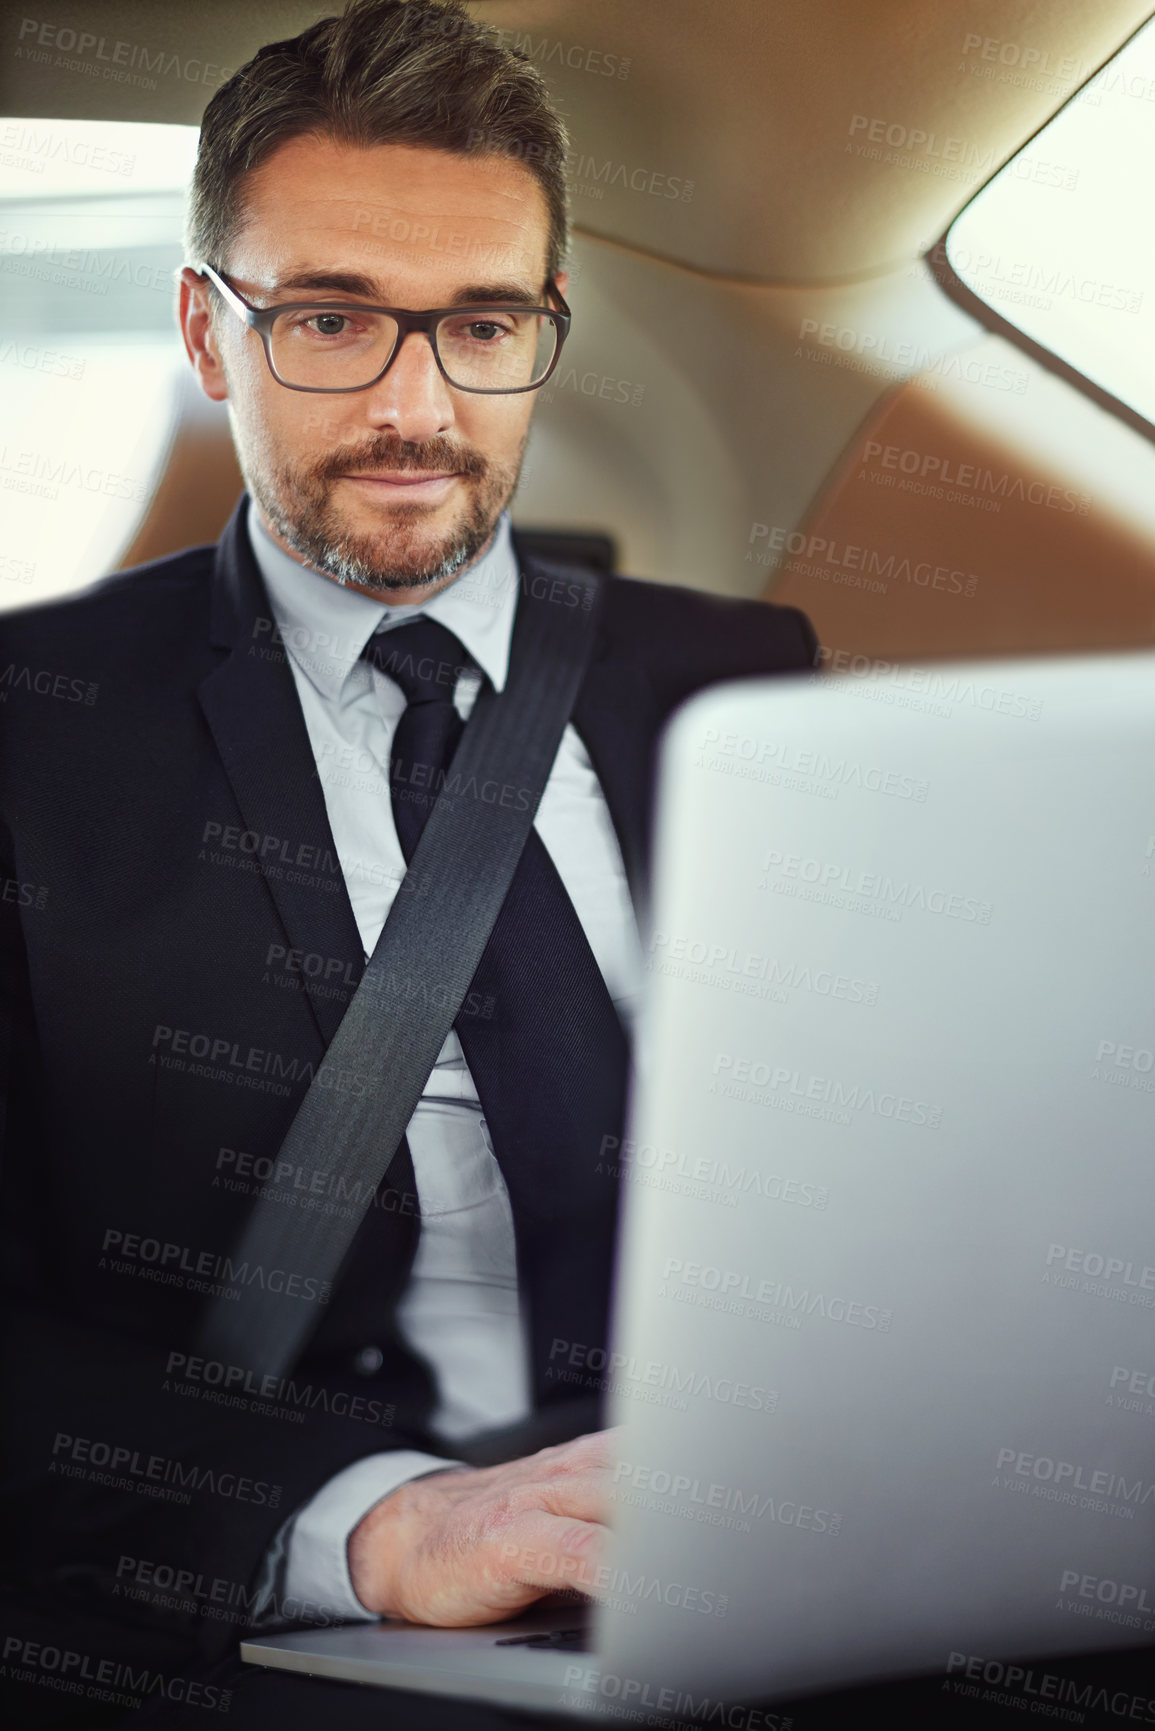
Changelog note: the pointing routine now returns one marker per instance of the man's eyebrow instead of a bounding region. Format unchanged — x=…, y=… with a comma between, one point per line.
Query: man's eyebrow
x=517, y=292
x=340, y=282
x=353, y=283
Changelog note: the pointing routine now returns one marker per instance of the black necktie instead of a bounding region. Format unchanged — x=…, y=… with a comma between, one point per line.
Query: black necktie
x=424, y=658
x=540, y=1034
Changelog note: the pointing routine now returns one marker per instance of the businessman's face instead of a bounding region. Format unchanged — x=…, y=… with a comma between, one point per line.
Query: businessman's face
x=394, y=489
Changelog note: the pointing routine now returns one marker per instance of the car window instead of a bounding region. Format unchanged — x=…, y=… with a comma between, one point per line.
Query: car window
x=90, y=238
x=1060, y=242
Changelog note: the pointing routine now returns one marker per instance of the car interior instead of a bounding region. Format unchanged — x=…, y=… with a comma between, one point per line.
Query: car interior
x=862, y=294
x=791, y=376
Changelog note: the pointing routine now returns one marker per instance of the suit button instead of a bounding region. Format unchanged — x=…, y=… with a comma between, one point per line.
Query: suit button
x=369, y=1360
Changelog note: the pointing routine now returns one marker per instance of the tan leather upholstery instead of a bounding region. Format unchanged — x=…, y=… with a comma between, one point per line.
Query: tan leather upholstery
x=730, y=206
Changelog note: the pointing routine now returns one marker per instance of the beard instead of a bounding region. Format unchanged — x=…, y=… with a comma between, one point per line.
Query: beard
x=298, y=503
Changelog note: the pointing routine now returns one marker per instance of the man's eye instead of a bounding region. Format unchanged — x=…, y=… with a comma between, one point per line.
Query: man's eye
x=321, y=323
x=327, y=324
x=479, y=331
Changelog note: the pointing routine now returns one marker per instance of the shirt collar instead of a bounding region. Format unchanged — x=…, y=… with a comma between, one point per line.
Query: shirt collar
x=325, y=626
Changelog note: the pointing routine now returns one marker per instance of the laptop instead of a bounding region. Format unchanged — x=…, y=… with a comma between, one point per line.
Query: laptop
x=883, y=1346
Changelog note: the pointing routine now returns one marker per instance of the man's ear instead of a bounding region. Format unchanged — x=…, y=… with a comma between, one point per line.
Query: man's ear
x=199, y=338
x=562, y=281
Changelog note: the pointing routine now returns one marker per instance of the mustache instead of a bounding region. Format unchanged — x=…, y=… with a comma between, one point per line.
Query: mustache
x=437, y=455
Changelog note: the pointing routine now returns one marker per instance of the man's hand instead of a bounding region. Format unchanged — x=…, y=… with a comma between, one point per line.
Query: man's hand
x=477, y=1545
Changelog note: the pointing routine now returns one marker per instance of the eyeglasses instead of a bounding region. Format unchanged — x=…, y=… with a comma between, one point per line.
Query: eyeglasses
x=344, y=346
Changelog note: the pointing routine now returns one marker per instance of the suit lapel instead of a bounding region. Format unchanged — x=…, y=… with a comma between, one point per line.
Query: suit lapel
x=251, y=706
x=617, y=716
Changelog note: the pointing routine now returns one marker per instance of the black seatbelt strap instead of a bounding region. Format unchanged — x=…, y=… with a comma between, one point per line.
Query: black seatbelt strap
x=352, y=1119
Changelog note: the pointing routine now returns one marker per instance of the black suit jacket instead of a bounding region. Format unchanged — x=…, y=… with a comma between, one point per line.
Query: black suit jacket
x=178, y=948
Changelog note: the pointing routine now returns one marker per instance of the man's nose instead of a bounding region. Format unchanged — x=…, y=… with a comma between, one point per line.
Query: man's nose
x=412, y=399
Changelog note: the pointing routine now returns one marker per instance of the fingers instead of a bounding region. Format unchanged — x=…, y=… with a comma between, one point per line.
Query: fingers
x=580, y=1496
x=595, y=1449
x=573, y=1478
x=552, y=1553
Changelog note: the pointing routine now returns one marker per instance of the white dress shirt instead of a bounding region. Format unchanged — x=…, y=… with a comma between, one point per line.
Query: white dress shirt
x=460, y=1310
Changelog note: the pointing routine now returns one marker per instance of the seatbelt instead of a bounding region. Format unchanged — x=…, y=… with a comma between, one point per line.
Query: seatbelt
x=352, y=1119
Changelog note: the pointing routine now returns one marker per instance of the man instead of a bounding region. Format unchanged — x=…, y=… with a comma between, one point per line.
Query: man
x=203, y=854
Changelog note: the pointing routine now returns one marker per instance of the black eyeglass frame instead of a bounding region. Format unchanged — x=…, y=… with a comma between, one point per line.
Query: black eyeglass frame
x=261, y=319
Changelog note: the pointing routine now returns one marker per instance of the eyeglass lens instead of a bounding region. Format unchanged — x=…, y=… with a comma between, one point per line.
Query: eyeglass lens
x=333, y=348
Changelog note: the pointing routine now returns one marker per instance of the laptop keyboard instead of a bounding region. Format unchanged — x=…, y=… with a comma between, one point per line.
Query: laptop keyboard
x=560, y=1640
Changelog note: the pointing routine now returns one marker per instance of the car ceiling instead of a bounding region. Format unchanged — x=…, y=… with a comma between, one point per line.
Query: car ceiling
x=751, y=100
